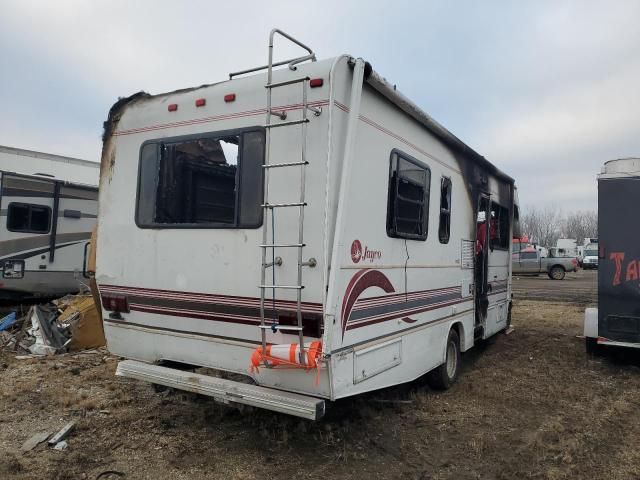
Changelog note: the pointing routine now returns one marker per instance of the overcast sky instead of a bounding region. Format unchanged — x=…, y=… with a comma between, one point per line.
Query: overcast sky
x=547, y=90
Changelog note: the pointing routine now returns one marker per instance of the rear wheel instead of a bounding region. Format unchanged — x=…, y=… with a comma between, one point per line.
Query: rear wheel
x=446, y=374
x=556, y=273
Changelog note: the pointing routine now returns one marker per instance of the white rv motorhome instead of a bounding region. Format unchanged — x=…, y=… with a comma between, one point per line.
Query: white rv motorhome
x=308, y=227
x=47, y=217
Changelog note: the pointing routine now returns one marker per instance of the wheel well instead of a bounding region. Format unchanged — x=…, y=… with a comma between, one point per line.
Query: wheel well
x=459, y=328
x=559, y=266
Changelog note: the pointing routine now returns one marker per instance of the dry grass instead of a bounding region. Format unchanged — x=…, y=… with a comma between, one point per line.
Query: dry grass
x=529, y=405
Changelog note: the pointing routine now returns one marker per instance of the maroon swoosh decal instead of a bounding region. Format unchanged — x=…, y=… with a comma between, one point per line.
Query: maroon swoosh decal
x=347, y=292
x=409, y=320
x=359, y=283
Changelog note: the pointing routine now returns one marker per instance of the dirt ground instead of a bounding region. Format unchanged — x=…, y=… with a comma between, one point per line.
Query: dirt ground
x=579, y=287
x=528, y=405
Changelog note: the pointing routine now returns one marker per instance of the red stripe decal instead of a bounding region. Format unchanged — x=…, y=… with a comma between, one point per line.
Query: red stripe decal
x=217, y=118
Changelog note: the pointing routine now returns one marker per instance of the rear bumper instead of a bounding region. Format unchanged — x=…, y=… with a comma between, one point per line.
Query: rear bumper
x=613, y=343
x=225, y=391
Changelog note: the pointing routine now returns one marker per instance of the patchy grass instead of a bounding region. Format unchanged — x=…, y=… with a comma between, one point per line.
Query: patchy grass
x=528, y=405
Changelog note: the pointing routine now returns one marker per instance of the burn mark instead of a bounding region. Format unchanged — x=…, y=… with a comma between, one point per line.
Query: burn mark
x=107, y=161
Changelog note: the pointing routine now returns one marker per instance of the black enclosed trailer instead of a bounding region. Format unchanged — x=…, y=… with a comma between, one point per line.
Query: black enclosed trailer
x=616, y=321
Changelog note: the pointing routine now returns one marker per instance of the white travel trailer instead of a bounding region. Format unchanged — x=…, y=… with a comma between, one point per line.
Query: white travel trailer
x=308, y=227
x=565, y=247
x=47, y=218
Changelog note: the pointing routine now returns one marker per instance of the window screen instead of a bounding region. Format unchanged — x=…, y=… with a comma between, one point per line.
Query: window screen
x=408, y=203
x=211, y=181
x=27, y=217
x=499, y=226
x=444, y=228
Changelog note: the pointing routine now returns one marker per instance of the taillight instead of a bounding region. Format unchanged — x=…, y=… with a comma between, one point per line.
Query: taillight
x=115, y=303
x=574, y=261
x=316, y=82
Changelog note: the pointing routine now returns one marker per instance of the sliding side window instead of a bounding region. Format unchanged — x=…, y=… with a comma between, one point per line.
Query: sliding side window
x=205, y=181
x=444, y=229
x=28, y=218
x=408, y=201
x=499, y=227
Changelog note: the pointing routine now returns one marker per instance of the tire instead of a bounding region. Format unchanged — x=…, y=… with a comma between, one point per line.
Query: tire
x=442, y=377
x=592, y=347
x=557, y=273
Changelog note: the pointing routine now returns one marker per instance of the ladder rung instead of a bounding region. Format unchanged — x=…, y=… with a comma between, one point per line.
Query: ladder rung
x=281, y=327
x=277, y=205
x=286, y=82
x=286, y=124
x=288, y=164
x=288, y=287
x=283, y=245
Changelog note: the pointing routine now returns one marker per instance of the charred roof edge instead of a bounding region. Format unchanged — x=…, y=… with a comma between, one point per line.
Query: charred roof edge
x=389, y=91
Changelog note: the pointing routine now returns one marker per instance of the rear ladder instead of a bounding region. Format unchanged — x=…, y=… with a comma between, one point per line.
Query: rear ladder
x=271, y=208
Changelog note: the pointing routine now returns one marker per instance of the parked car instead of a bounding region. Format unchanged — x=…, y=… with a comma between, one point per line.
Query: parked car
x=529, y=262
x=590, y=258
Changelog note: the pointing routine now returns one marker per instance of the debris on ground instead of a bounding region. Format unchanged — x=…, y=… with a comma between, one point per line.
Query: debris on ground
x=33, y=441
x=79, y=312
x=69, y=324
x=61, y=445
x=62, y=434
x=7, y=321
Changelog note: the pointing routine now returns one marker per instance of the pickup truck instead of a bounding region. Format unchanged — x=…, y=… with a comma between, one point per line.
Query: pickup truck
x=529, y=262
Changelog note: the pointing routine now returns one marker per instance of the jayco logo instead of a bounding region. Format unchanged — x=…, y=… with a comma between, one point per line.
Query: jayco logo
x=357, y=253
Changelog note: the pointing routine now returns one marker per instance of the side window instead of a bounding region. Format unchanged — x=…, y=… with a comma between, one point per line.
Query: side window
x=499, y=227
x=528, y=256
x=444, y=228
x=28, y=218
x=408, y=197
x=209, y=181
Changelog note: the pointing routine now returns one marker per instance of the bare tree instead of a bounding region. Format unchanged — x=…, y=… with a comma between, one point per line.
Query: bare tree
x=581, y=225
x=545, y=226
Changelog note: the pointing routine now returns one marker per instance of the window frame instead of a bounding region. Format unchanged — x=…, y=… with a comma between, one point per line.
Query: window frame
x=30, y=205
x=444, y=180
x=501, y=209
x=389, y=224
x=185, y=138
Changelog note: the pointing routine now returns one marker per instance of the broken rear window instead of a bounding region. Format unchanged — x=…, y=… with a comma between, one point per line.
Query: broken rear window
x=208, y=181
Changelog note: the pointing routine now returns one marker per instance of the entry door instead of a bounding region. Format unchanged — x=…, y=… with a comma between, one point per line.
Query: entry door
x=499, y=258
x=482, y=258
